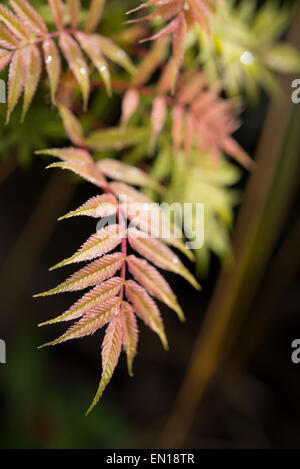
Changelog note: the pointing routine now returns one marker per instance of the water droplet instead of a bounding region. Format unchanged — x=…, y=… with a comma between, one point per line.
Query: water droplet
x=83, y=71
x=247, y=58
x=49, y=59
x=103, y=68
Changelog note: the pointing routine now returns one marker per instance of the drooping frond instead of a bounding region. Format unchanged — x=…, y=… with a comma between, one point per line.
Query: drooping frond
x=104, y=303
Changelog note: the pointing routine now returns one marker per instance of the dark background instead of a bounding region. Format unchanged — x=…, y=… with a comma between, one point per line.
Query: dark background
x=252, y=400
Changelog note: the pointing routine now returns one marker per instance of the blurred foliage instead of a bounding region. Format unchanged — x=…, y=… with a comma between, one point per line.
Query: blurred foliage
x=244, y=51
x=203, y=181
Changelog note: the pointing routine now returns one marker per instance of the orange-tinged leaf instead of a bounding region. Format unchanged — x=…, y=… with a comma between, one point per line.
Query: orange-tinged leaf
x=72, y=126
x=13, y=23
x=90, y=275
x=159, y=254
x=158, y=118
x=15, y=81
x=146, y=309
x=97, y=207
x=90, y=322
x=33, y=68
x=152, y=280
x=7, y=39
x=111, y=349
x=58, y=13
x=94, y=15
x=91, y=46
x=29, y=16
x=104, y=241
x=130, y=334
x=130, y=104
x=178, y=48
x=5, y=57
x=53, y=65
x=153, y=59
x=97, y=296
x=77, y=64
x=74, y=12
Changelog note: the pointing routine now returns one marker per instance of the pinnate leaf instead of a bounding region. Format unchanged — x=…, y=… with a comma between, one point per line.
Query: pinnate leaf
x=5, y=58
x=90, y=322
x=70, y=154
x=153, y=281
x=102, y=242
x=94, y=16
x=113, y=52
x=91, y=46
x=13, y=23
x=159, y=254
x=74, y=12
x=15, y=80
x=111, y=349
x=97, y=207
x=29, y=16
x=130, y=334
x=90, y=275
x=7, y=39
x=58, y=12
x=33, y=68
x=77, y=64
x=53, y=65
x=97, y=296
x=146, y=309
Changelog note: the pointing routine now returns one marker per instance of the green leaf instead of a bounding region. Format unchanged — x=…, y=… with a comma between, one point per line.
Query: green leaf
x=116, y=138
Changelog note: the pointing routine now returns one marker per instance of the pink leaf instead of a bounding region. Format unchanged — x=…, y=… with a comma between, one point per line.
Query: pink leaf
x=77, y=64
x=90, y=45
x=111, y=349
x=4, y=59
x=93, y=273
x=58, y=12
x=30, y=16
x=130, y=334
x=72, y=126
x=97, y=296
x=146, y=309
x=15, y=80
x=94, y=16
x=96, y=207
x=153, y=281
x=102, y=242
x=7, y=39
x=90, y=322
x=158, y=118
x=53, y=65
x=33, y=68
x=130, y=104
x=159, y=254
x=74, y=12
x=13, y=23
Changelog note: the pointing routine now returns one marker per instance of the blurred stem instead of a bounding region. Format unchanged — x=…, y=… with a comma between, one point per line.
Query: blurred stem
x=268, y=195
